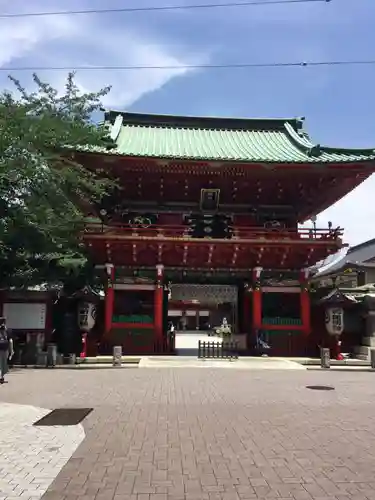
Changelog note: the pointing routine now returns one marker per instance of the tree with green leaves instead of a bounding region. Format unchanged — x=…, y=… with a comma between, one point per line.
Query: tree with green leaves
x=42, y=185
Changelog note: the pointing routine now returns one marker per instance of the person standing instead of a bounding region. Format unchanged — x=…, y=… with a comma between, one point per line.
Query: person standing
x=171, y=336
x=6, y=349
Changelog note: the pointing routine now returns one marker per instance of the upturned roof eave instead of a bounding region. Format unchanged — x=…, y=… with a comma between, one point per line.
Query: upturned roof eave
x=224, y=140
x=292, y=126
x=166, y=157
x=153, y=119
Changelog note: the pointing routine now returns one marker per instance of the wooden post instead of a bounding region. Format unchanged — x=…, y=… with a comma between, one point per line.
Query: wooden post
x=305, y=311
x=158, y=305
x=305, y=303
x=246, y=310
x=257, y=299
x=325, y=358
x=109, y=299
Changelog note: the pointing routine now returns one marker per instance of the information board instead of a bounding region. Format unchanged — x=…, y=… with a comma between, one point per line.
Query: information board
x=25, y=316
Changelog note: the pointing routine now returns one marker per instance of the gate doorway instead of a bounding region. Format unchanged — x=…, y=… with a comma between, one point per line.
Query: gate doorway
x=196, y=310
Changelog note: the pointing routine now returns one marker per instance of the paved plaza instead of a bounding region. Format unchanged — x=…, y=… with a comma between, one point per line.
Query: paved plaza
x=190, y=434
x=31, y=457
x=186, y=343
x=188, y=361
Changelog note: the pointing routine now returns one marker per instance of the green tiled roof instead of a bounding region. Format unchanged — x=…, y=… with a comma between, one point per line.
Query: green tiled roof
x=221, y=139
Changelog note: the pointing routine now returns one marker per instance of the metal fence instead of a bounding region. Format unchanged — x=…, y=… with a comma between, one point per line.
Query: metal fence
x=218, y=350
x=165, y=346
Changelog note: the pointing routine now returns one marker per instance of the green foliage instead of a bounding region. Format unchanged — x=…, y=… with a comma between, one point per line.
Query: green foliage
x=42, y=184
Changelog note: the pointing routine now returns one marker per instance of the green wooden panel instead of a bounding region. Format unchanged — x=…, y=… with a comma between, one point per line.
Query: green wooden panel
x=282, y=321
x=133, y=336
x=134, y=318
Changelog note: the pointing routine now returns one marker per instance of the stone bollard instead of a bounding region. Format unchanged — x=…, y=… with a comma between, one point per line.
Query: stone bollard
x=51, y=355
x=72, y=359
x=41, y=359
x=325, y=358
x=117, y=355
x=372, y=358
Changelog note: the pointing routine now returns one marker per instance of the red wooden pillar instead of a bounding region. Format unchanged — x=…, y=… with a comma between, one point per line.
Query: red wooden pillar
x=158, y=306
x=109, y=299
x=246, y=310
x=257, y=299
x=305, y=303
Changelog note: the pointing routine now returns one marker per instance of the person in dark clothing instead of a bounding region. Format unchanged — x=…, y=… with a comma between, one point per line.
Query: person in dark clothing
x=262, y=348
x=6, y=349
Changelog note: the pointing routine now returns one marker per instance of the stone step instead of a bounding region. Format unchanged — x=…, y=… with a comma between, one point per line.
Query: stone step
x=368, y=341
x=361, y=357
x=362, y=349
x=363, y=352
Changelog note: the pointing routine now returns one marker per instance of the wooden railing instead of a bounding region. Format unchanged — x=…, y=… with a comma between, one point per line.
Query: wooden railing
x=218, y=350
x=238, y=233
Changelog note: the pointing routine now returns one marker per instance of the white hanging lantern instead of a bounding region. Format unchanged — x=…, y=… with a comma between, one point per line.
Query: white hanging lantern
x=86, y=316
x=334, y=320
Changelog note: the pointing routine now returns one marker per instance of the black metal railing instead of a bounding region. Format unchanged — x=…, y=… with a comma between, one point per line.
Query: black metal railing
x=218, y=350
x=165, y=346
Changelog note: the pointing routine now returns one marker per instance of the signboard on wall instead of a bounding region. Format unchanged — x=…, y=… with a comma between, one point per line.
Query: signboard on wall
x=25, y=316
x=204, y=294
x=191, y=313
x=174, y=313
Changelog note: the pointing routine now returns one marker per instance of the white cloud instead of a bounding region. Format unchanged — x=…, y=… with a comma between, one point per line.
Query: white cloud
x=128, y=49
x=21, y=37
x=83, y=40
x=298, y=15
x=90, y=40
x=355, y=213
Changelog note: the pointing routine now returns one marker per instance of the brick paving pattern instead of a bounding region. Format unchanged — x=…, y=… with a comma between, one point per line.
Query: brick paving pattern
x=31, y=457
x=190, y=434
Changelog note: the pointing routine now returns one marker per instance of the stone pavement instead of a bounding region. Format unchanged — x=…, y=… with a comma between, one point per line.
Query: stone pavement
x=31, y=457
x=188, y=434
x=235, y=364
x=186, y=343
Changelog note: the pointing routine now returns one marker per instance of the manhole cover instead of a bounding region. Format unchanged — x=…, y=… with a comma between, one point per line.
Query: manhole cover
x=320, y=388
x=64, y=416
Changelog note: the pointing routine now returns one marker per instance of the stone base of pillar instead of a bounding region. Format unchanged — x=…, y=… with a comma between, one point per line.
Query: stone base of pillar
x=117, y=355
x=325, y=358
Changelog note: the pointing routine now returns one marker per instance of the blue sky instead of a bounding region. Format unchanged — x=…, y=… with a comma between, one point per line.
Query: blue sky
x=338, y=103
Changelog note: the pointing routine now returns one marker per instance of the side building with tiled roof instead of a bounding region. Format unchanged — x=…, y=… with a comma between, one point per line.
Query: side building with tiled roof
x=355, y=268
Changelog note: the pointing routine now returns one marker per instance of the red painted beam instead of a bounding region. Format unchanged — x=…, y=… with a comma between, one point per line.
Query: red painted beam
x=282, y=327
x=134, y=326
x=224, y=173
x=243, y=262
x=334, y=194
x=299, y=253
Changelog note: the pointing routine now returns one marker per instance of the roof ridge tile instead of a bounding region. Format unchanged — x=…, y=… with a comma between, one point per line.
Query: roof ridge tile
x=224, y=139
